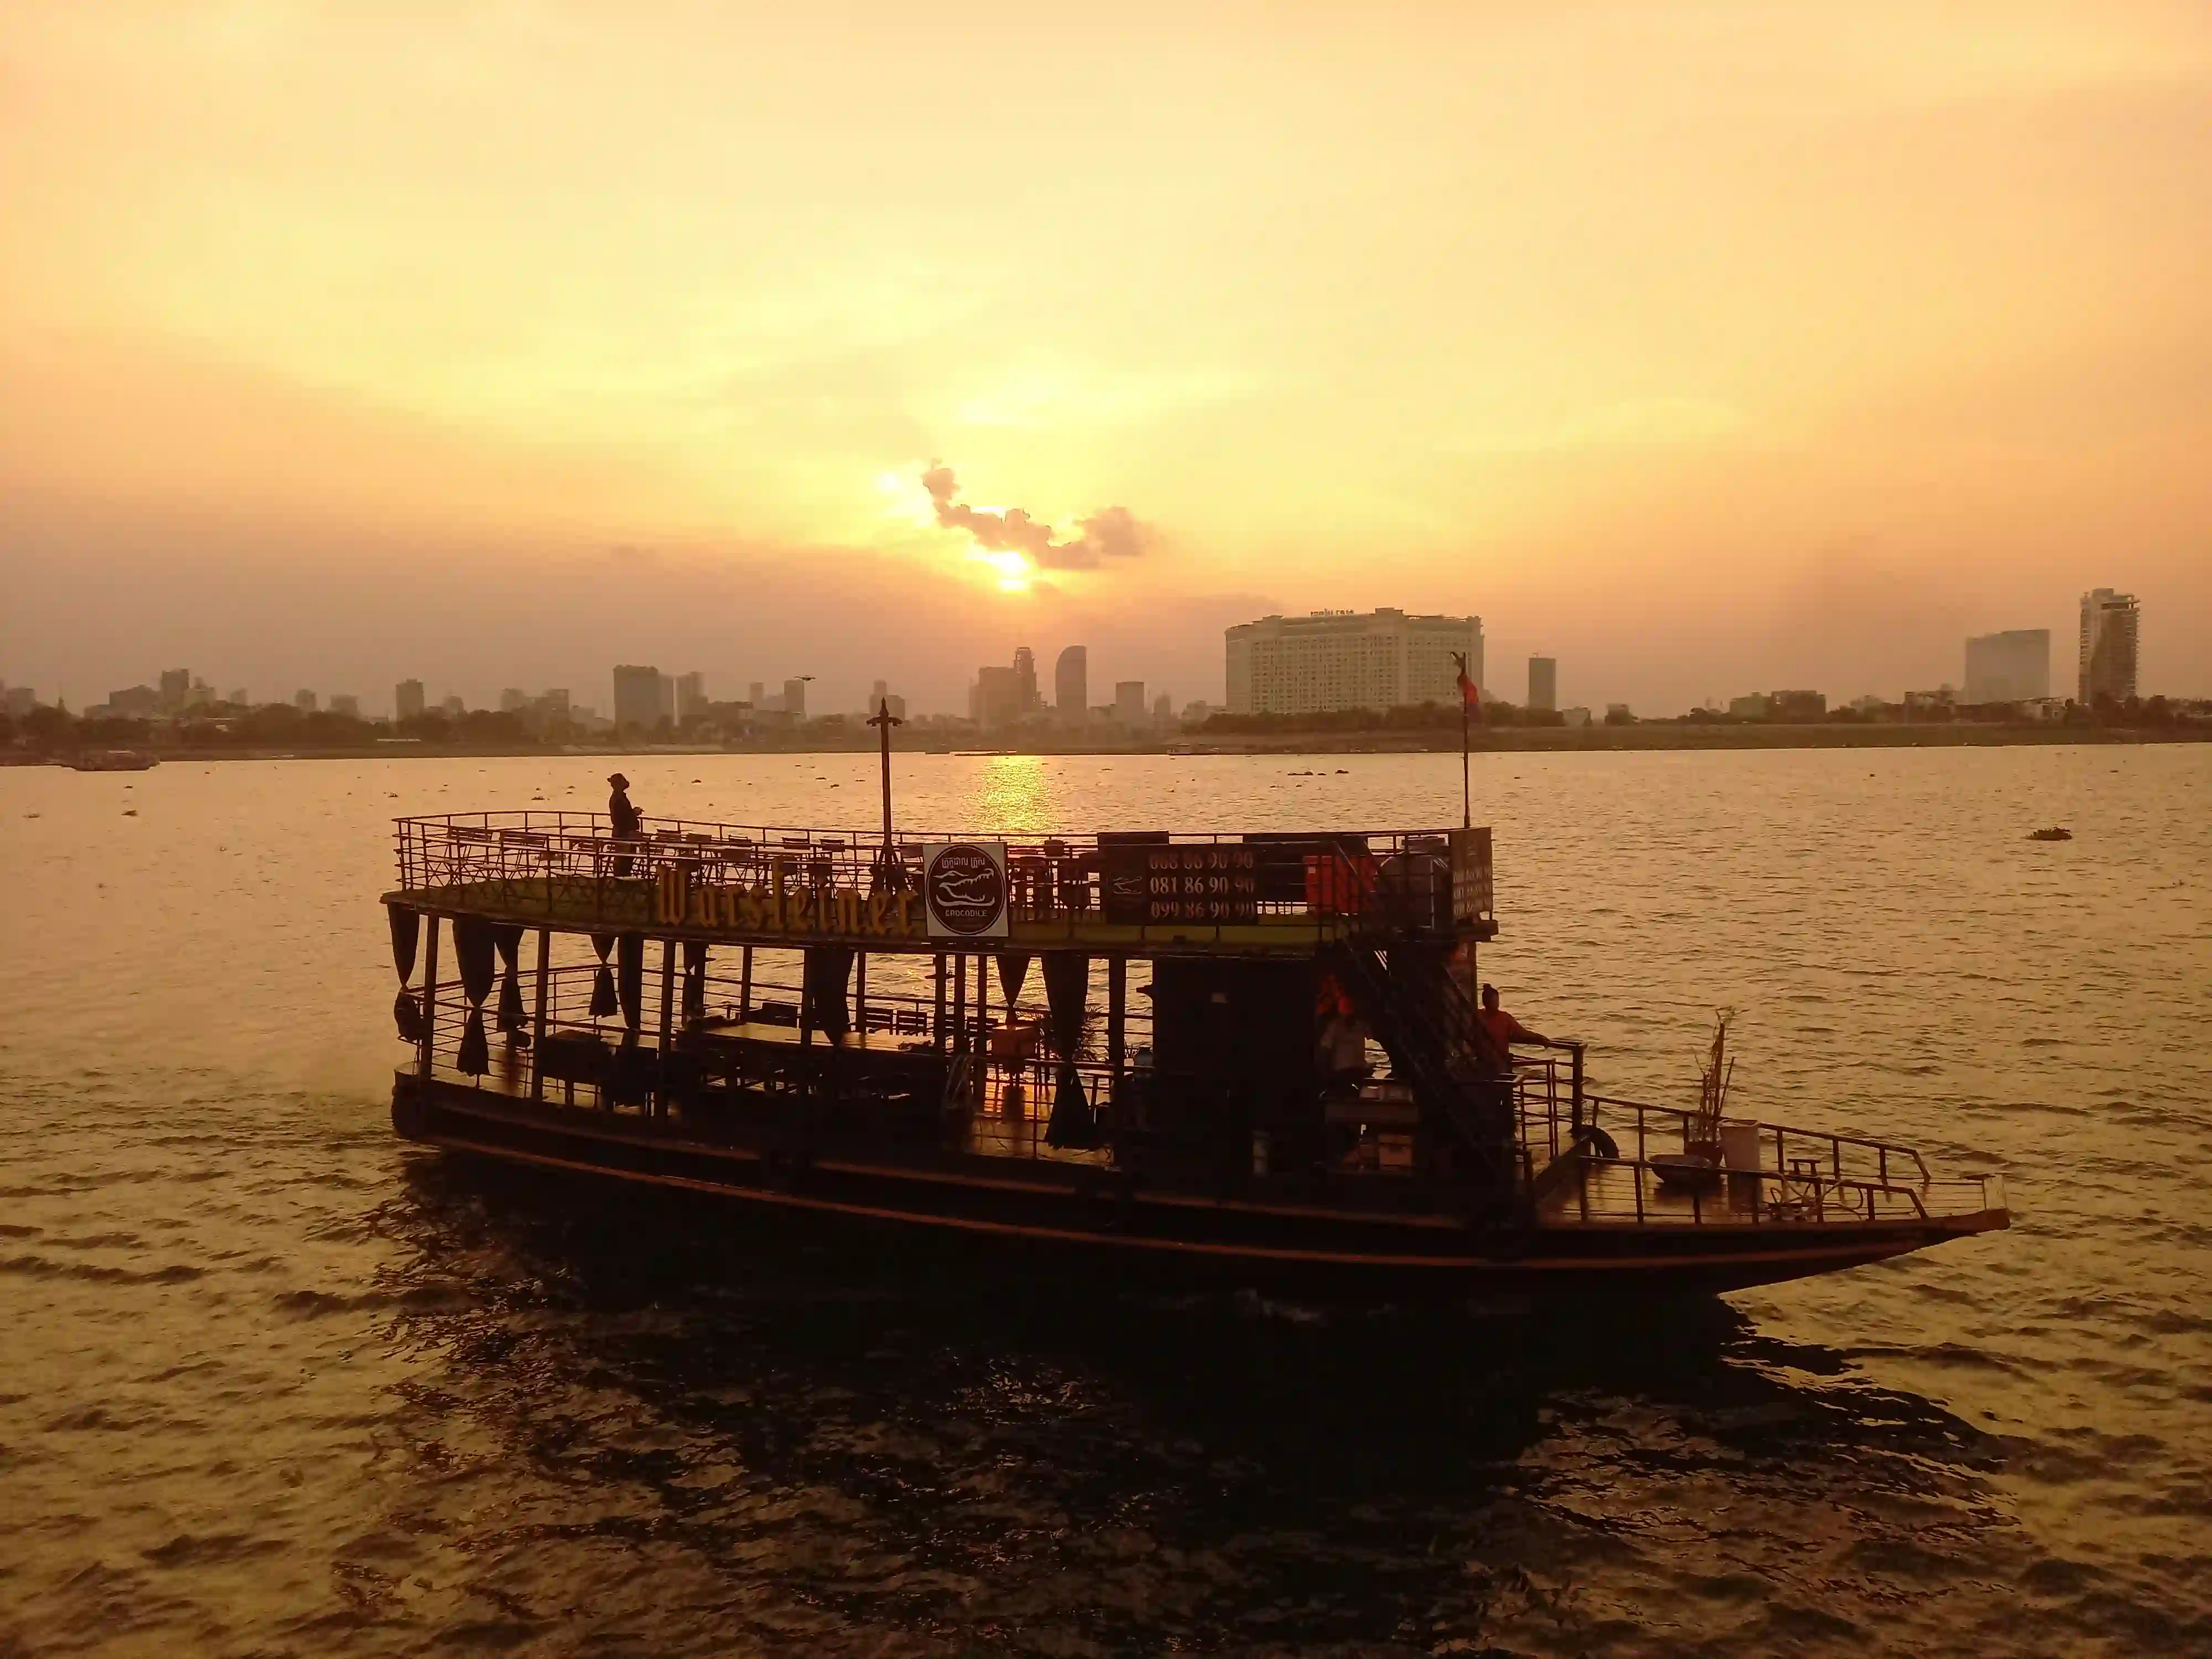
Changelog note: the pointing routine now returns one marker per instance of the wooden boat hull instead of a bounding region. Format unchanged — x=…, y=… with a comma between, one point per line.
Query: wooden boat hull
x=1257, y=1236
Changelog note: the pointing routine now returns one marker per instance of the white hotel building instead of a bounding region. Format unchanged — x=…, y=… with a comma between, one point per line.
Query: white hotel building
x=1338, y=660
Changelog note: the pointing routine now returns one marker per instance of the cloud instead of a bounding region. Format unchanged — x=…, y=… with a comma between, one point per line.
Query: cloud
x=1112, y=533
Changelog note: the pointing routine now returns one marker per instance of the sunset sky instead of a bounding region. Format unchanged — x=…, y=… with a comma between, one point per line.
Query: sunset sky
x=1713, y=348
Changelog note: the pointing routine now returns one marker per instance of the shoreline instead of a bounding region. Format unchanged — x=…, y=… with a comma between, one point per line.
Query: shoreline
x=1654, y=736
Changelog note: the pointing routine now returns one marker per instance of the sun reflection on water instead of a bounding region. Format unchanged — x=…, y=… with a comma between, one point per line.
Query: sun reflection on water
x=1014, y=796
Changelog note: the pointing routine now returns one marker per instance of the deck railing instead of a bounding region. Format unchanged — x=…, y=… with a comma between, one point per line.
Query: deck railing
x=1770, y=1171
x=570, y=866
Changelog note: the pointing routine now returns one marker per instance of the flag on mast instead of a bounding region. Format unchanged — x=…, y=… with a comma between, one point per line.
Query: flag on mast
x=1470, y=696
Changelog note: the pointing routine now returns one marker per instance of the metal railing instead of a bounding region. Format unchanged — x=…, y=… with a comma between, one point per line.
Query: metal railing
x=1769, y=1173
x=680, y=873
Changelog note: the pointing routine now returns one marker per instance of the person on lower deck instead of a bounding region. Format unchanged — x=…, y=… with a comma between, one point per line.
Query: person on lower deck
x=1343, y=1048
x=1505, y=1031
x=624, y=818
x=1493, y=1096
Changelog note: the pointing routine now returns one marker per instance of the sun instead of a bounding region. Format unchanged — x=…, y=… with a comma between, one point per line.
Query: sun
x=1015, y=573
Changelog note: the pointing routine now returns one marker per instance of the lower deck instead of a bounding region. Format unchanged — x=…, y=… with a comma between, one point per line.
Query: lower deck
x=1293, y=1230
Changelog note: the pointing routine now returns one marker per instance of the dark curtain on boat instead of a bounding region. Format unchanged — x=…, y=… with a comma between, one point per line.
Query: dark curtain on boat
x=406, y=930
x=629, y=979
x=476, y=954
x=473, y=944
x=695, y=979
x=512, y=1017
x=1066, y=990
x=605, y=1004
x=829, y=968
x=1013, y=973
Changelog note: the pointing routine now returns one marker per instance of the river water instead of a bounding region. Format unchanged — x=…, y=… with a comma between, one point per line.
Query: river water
x=273, y=1383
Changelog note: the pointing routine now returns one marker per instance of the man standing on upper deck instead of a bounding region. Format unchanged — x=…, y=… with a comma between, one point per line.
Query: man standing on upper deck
x=625, y=818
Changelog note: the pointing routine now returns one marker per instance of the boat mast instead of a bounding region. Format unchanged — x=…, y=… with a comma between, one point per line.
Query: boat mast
x=892, y=875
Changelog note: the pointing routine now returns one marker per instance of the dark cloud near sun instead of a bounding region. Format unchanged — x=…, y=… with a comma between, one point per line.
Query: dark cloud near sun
x=1112, y=533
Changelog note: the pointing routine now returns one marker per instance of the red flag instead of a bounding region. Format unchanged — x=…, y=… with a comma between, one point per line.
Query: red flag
x=1469, y=697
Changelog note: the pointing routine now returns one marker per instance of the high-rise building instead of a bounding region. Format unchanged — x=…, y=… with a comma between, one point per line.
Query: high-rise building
x=1025, y=679
x=513, y=700
x=176, y=685
x=757, y=694
x=638, y=691
x=995, y=700
x=1336, y=659
x=1129, y=700
x=1543, y=682
x=690, y=697
x=21, y=700
x=2110, y=626
x=452, y=709
x=894, y=703
x=794, y=699
x=2009, y=667
x=878, y=690
x=1164, y=709
x=1070, y=683
x=406, y=700
x=304, y=702
x=345, y=704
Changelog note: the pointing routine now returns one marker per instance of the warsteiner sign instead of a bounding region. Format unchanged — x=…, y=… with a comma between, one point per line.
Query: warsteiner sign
x=964, y=884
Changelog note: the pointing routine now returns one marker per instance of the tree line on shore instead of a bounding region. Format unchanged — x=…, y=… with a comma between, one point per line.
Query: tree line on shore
x=51, y=730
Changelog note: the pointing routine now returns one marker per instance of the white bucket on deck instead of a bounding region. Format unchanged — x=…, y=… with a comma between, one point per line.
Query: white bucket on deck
x=1739, y=1145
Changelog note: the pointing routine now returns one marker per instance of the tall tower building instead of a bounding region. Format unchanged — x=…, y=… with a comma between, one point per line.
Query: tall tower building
x=1025, y=679
x=1070, y=683
x=1544, y=683
x=690, y=697
x=2110, y=626
x=406, y=700
x=794, y=699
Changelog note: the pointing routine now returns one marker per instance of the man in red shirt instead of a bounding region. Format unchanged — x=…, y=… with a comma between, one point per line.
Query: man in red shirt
x=1503, y=1028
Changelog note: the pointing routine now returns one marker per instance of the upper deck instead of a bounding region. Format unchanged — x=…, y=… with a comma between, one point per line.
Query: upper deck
x=1270, y=893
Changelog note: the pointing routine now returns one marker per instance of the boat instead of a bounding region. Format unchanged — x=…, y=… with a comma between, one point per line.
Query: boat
x=843, y=1029
x=2054, y=832
x=114, y=760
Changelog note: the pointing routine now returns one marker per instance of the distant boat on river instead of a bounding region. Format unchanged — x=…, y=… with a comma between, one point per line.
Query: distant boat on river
x=114, y=760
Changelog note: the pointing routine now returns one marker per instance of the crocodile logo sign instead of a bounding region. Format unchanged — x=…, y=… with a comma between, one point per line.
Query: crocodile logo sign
x=965, y=883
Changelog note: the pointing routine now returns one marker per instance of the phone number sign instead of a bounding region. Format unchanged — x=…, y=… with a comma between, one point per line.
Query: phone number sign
x=1205, y=884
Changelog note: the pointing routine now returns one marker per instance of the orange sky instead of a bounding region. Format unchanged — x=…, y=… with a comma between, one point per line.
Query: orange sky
x=1711, y=347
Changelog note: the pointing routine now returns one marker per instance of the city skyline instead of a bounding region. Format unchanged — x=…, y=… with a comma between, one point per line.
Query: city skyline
x=1653, y=364
x=2009, y=665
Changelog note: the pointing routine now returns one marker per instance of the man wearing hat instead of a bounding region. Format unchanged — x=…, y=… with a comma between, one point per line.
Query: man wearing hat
x=627, y=824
